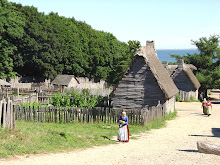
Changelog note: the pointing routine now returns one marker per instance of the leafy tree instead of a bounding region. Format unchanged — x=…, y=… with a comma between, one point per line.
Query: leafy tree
x=207, y=62
x=172, y=63
x=11, y=27
x=35, y=44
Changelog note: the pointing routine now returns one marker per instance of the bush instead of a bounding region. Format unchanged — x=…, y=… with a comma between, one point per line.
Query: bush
x=30, y=104
x=178, y=97
x=75, y=99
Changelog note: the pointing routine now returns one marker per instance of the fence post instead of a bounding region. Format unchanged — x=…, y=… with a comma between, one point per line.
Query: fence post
x=30, y=113
x=55, y=114
x=1, y=104
x=13, y=115
x=4, y=114
x=37, y=97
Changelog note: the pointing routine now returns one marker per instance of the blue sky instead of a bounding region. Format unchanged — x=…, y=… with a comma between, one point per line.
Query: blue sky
x=171, y=23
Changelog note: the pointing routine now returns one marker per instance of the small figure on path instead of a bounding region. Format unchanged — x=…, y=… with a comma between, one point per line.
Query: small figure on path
x=123, y=131
x=209, y=107
x=204, y=106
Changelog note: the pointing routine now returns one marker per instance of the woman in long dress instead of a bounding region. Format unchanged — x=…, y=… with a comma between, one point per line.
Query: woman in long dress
x=204, y=106
x=209, y=107
x=123, y=131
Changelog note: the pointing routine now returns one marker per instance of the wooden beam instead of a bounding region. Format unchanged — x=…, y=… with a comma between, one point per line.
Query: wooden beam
x=208, y=148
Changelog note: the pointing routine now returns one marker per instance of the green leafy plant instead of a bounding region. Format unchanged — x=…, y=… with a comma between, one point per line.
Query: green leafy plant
x=57, y=99
x=178, y=97
x=30, y=104
x=75, y=99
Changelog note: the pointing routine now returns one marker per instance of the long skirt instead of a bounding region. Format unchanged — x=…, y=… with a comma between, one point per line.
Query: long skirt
x=123, y=133
x=205, y=110
x=209, y=110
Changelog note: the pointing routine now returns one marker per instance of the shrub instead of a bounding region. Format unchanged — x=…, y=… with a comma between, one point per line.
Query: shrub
x=178, y=97
x=30, y=104
x=75, y=99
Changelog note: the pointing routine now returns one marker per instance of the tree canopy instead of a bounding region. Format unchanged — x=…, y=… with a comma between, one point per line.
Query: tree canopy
x=11, y=27
x=36, y=44
x=207, y=61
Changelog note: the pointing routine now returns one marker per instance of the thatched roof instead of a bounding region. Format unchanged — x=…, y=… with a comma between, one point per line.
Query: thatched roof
x=165, y=83
x=172, y=68
x=187, y=68
x=63, y=80
x=4, y=83
x=191, y=76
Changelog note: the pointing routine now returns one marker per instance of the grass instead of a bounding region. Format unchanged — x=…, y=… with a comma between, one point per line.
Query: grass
x=35, y=138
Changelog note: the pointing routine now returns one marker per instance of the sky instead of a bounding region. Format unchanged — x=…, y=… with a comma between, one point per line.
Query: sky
x=172, y=24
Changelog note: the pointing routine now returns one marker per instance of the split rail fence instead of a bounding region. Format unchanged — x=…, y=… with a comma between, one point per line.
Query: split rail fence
x=86, y=114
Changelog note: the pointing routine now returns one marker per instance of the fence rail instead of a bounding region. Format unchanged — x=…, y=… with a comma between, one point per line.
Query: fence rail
x=7, y=118
x=86, y=114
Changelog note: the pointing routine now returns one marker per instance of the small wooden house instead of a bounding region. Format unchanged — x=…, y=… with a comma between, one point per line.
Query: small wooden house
x=65, y=81
x=185, y=80
x=145, y=83
x=4, y=83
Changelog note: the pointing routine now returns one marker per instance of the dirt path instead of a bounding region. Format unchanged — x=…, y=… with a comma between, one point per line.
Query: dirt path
x=175, y=144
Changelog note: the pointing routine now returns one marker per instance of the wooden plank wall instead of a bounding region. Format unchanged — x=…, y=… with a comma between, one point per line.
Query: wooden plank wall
x=138, y=89
x=87, y=115
x=7, y=118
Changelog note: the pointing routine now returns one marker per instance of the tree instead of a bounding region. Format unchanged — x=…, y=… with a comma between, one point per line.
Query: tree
x=47, y=45
x=207, y=62
x=11, y=27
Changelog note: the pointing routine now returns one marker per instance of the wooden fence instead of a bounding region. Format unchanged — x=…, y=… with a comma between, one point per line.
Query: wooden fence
x=7, y=118
x=17, y=100
x=186, y=96
x=86, y=114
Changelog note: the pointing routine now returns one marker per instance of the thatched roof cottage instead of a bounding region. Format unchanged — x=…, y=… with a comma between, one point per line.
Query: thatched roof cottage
x=65, y=81
x=185, y=80
x=145, y=83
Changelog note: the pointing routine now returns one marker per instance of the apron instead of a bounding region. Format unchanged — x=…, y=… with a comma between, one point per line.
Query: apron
x=123, y=133
x=209, y=110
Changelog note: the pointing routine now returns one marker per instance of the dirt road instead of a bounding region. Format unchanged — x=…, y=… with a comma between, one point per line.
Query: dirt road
x=174, y=144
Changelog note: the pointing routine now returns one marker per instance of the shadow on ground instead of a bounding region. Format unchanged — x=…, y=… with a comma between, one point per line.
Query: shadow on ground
x=105, y=137
x=198, y=114
x=189, y=150
x=215, y=91
x=215, y=132
x=217, y=102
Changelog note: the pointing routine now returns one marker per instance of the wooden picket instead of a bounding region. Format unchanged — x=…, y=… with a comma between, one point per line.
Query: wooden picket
x=86, y=114
x=7, y=118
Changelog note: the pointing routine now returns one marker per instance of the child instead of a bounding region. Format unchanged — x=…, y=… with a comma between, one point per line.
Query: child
x=209, y=107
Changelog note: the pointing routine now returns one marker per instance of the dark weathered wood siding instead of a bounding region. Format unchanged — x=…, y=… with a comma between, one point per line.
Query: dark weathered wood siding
x=185, y=86
x=183, y=82
x=138, y=89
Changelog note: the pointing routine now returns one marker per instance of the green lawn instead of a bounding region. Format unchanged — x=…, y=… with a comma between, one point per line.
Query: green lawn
x=34, y=138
